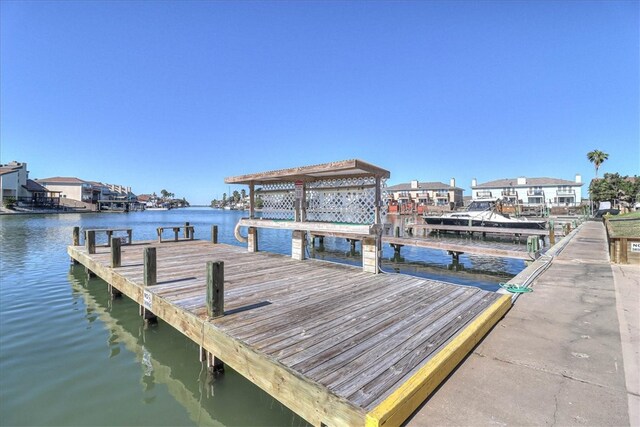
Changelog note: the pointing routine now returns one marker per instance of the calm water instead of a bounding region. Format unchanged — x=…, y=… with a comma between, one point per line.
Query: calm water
x=71, y=356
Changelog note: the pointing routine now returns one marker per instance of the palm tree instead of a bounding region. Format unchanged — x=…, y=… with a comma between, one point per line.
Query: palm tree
x=597, y=157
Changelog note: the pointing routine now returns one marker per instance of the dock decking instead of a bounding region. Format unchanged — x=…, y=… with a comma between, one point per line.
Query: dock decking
x=337, y=345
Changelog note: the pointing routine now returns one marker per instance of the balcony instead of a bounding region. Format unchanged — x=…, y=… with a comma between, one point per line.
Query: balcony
x=509, y=193
x=539, y=193
x=565, y=192
x=484, y=194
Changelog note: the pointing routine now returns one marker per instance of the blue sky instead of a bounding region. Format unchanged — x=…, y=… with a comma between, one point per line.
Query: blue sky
x=179, y=95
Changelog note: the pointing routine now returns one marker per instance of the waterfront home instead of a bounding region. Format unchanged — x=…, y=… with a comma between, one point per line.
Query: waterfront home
x=18, y=190
x=415, y=196
x=70, y=188
x=531, y=191
x=13, y=180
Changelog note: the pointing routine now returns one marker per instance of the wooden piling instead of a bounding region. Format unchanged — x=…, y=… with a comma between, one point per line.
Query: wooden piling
x=76, y=236
x=149, y=260
x=115, y=252
x=623, y=257
x=149, y=279
x=215, y=288
x=396, y=232
x=214, y=234
x=252, y=239
x=185, y=234
x=90, y=241
x=552, y=236
x=298, y=245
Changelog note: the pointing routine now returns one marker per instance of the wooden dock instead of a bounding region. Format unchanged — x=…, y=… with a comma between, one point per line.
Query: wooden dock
x=337, y=345
x=453, y=246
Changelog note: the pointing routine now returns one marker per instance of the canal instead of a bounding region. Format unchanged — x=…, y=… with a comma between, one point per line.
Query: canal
x=69, y=355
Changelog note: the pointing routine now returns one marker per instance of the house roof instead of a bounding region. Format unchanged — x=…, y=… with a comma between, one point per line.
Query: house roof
x=34, y=187
x=340, y=169
x=531, y=182
x=7, y=170
x=422, y=186
x=61, y=180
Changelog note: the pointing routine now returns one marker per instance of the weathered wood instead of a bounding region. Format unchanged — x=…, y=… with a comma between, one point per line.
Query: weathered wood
x=76, y=236
x=116, y=253
x=150, y=270
x=90, y=241
x=282, y=315
x=214, y=234
x=624, y=244
x=252, y=239
x=298, y=245
x=350, y=229
x=215, y=288
x=339, y=169
x=186, y=230
x=480, y=229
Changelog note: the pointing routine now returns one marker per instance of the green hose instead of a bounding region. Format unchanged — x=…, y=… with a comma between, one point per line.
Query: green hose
x=515, y=289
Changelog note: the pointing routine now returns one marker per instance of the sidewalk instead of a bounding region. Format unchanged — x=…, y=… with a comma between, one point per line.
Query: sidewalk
x=557, y=356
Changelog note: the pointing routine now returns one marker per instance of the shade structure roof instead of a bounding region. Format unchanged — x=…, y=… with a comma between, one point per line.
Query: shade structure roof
x=340, y=169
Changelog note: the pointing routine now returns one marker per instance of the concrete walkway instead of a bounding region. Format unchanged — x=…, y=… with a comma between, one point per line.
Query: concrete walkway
x=557, y=356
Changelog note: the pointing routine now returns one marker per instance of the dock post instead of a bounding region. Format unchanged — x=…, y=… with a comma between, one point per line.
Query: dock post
x=115, y=252
x=370, y=255
x=90, y=241
x=215, y=288
x=298, y=244
x=252, y=239
x=214, y=365
x=186, y=230
x=76, y=236
x=150, y=279
x=115, y=262
x=396, y=232
x=352, y=243
x=214, y=234
x=75, y=242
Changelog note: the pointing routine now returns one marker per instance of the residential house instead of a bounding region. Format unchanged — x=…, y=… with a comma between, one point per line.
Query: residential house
x=414, y=196
x=70, y=188
x=13, y=180
x=531, y=191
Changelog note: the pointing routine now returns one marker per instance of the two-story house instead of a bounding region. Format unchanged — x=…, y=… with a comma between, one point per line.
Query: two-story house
x=531, y=191
x=414, y=196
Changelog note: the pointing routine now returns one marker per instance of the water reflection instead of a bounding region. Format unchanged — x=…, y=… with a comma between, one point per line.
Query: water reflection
x=170, y=360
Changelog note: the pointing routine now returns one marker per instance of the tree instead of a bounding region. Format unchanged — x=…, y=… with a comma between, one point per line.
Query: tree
x=164, y=193
x=597, y=157
x=236, y=196
x=615, y=188
x=224, y=198
x=243, y=193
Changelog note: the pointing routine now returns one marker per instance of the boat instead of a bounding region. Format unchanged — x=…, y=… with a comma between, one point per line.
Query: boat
x=483, y=213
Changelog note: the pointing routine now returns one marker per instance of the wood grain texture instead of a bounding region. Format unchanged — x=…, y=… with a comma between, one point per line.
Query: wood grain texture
x=329, y=341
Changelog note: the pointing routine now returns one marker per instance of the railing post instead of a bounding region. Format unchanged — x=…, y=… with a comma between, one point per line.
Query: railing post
x=115, y=252
x=215, y=288
x=90, y=241
x=186, y=230
x=214, y=234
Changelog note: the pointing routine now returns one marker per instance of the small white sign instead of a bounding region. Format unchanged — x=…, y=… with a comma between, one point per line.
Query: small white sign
x=148, y=300
x=635, y=246
x=299, y=190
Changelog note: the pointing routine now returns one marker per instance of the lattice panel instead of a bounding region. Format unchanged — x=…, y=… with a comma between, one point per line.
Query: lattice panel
x=342, y=200
x=346, y=200
x=278, y=201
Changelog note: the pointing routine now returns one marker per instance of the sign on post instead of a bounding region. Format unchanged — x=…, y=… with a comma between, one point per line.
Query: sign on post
x=148, y=300
x=299, y=190
x=635, y=246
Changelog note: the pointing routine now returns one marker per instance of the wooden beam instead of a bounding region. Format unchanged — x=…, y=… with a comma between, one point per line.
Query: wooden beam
x=116, y=253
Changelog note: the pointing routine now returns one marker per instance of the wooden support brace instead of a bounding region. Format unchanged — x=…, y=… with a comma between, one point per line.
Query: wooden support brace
x=113, y=292
x=214, y=365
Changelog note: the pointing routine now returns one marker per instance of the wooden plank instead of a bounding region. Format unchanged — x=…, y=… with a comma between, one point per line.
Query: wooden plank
x=479, y=229
x=401, y=403
x=463, y=248
x=350, y=229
